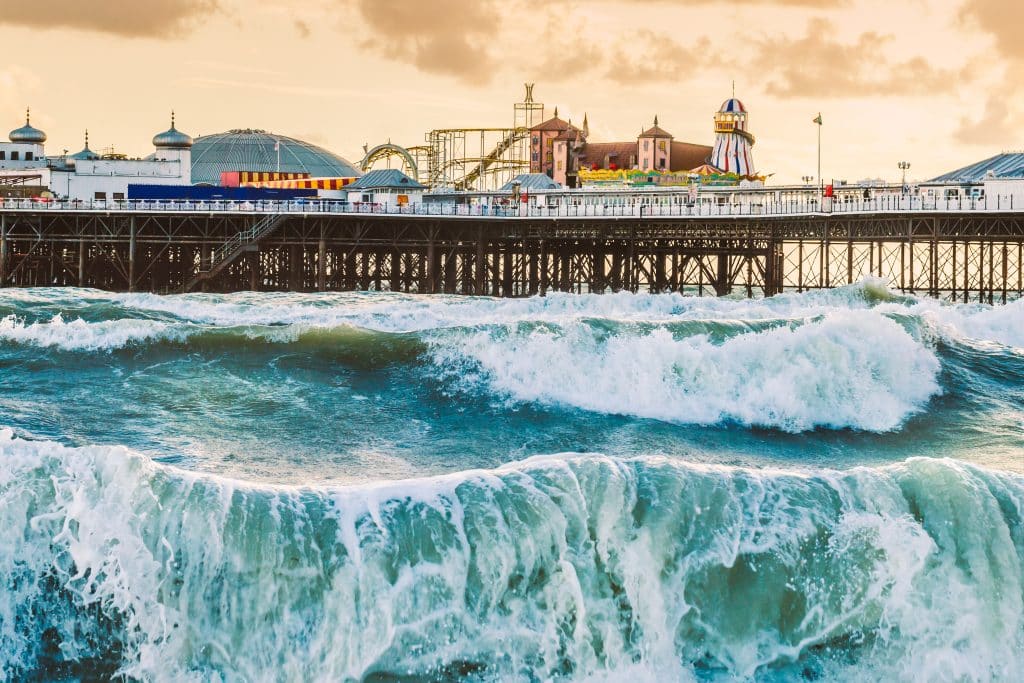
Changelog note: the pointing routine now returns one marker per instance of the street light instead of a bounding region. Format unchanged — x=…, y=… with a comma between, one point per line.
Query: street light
x=903, y=166
x=807, y=179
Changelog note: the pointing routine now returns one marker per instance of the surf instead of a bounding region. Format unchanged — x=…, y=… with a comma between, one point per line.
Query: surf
x=562, y=566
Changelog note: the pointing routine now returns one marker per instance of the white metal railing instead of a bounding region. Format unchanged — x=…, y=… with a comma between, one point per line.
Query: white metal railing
x=566, y=207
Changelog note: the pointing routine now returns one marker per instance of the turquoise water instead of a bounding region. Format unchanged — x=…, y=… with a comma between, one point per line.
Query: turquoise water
x=376, y=486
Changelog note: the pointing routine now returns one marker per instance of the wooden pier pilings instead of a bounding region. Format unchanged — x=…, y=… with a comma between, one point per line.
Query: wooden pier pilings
x=966, y=256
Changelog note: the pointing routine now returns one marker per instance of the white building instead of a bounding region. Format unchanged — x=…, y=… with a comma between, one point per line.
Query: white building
x=385, y=189
x=89, y=176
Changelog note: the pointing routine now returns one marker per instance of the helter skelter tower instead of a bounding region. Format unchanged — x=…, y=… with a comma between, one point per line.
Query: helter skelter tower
x=733, y=142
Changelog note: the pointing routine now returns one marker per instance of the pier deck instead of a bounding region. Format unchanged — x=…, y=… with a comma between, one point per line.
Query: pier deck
x=957, y=253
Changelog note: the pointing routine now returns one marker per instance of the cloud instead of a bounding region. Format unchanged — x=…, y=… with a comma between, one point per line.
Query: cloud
x=446, y=37
x=1000, y=18
x=129, y=18
x=816, y=65
x=668, y=62
x=997, y=125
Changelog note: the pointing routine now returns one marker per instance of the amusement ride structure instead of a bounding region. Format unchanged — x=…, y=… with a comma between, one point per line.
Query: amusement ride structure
x=466, y=158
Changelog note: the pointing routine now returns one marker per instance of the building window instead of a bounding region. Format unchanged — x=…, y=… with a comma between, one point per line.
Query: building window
x=118, y=195
x=28, y=156
x=536, y=157
x=100, y=195
x=536, y=139
x=647, y=144
x=3, y=156
x=661, y=162
x=14, y=156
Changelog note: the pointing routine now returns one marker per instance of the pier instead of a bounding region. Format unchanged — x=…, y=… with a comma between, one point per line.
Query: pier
x=960, y=252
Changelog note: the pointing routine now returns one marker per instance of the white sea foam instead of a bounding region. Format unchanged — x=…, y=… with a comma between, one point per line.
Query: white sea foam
x=849, y=369
x=153, y=317
x=639, y=567
x=79, y=335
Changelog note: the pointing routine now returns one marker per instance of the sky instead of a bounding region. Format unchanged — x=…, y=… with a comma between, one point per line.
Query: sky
x=936, y=83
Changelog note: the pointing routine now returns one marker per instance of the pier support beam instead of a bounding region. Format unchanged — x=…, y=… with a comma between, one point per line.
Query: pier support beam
x=253, y=257
x=131, y=256
x=723, y=284
x=81, y=262
x=3, y=250
x=321, y=265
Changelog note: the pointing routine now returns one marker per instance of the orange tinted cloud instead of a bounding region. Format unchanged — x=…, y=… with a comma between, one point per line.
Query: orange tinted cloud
x=1002, y=19
x=816, y=65
x=129, y=18
x=447, y=37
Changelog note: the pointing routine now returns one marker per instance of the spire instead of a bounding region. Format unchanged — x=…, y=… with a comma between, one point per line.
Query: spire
x=586, y=126
x=655, y=119
x=28, y=118
x=734, y=88
x=87, y=138
x=556, y=112
x=172, y=119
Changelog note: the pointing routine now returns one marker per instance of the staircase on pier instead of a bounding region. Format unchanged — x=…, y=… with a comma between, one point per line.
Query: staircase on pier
x=226, y=254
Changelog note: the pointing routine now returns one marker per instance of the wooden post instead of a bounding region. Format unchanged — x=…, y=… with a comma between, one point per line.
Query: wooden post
x=3, y=250
x=254, y=271
x=722, y=283
x=131, y=255
x=480, y=285
x=432, y=265
x=81, y=262
x=545, y=281
x=321, y=264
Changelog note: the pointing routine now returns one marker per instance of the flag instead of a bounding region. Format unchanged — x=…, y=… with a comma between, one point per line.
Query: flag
x=818, y=119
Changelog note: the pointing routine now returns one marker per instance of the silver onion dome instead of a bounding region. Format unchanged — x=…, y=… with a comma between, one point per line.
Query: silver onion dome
x=172, y=138
x=28, y=134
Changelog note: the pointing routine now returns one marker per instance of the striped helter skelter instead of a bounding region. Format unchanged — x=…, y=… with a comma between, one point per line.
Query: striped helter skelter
x=732, y=151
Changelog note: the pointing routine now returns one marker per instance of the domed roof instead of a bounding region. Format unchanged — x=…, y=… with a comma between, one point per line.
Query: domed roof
x=172, y=138
x=86, y=154
x=732, y=106
x=253, y=150
x=27, y=134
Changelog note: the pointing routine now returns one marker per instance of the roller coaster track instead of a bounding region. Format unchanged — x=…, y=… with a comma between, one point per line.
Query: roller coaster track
x=496, y=154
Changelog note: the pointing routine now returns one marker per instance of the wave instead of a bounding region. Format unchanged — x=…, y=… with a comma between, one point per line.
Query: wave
x=853, y=369
x=559, y=567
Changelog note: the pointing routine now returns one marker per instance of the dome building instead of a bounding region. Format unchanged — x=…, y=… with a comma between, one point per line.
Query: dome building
x=27, y=134
x=25, y=147
x=257, y=150
x=86, y=154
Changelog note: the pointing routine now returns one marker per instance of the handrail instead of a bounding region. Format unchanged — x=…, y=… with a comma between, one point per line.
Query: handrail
x=585, y=204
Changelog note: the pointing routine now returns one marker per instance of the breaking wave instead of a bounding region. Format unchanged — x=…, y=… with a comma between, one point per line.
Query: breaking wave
x=558, y=567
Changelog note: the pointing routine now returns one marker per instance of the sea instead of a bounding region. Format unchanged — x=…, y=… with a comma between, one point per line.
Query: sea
x=373, y=486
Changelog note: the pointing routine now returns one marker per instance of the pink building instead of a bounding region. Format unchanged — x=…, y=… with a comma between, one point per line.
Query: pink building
x=560, y=150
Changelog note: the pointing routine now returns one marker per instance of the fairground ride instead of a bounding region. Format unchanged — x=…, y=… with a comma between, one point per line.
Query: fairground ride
x=466, y=158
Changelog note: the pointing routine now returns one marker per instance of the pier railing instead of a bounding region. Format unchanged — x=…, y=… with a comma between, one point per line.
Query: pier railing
x=567, y=207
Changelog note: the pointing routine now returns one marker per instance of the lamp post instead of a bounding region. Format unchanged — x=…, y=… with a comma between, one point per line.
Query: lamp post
x=903, y=166
x=818, y=121
x=807, y=179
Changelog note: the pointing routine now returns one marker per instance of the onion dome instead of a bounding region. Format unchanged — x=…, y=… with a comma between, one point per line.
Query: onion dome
x=732, y=106
x=28, y=134
x=86, y=154
x=172, y=138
